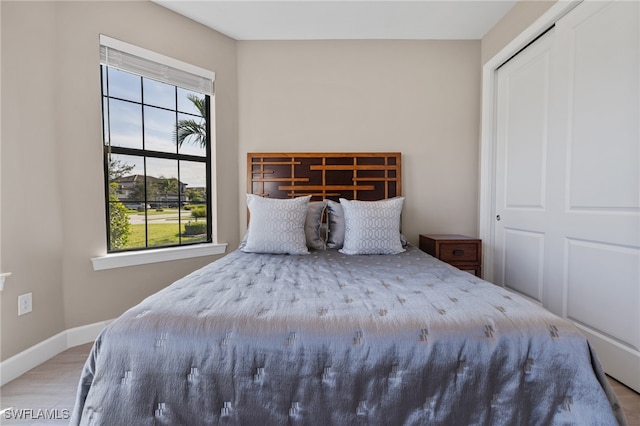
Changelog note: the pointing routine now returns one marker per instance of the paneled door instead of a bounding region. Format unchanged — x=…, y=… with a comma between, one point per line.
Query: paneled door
x=568, y=178
x=521, y=169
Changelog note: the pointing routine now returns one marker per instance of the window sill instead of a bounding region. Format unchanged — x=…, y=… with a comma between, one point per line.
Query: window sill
x=133, y=258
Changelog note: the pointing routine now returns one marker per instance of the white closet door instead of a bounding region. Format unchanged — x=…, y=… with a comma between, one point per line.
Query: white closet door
x=521, y=169
x=568, y=178
x=593, y=269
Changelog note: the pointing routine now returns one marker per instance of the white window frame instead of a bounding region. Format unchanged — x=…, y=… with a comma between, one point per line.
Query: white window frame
x=168, y=70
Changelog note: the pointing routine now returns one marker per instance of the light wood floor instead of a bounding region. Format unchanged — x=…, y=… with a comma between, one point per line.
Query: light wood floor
x=52, y=386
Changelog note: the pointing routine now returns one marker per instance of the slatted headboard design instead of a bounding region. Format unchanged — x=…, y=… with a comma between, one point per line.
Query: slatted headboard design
x=363, y=176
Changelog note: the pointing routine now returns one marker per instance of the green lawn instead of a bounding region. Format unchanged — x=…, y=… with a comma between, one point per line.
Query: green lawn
x=160, y=234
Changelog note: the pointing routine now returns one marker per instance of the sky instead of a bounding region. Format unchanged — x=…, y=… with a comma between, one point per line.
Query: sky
x=127, y=125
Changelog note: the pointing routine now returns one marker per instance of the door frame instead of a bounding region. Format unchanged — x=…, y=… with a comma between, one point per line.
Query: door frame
x=488, y=130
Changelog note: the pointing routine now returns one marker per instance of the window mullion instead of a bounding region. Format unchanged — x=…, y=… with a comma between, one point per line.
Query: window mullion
x=157, y=154
x=178, y=161
x=146, y=179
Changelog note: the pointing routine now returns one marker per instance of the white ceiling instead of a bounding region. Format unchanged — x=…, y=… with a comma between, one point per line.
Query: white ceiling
x=337, y=19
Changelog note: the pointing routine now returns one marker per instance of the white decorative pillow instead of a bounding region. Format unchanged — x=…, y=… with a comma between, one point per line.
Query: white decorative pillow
x=276, y=225
x=372, y=227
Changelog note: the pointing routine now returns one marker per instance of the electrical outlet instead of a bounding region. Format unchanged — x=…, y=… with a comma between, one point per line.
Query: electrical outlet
x=25, y=303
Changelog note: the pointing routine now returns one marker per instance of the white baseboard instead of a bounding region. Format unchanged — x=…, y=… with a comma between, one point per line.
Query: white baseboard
x=19, y=364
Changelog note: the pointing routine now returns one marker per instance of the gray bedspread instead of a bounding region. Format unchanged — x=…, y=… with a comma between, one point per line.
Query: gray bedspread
x=331, y=339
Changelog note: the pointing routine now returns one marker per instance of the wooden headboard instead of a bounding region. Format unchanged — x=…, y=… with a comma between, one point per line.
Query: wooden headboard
x=366, y=176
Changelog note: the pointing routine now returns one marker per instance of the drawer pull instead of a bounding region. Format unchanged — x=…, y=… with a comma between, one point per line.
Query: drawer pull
x=458, y=252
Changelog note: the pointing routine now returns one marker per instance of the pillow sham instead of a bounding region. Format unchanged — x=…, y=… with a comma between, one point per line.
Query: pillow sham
x=372, y=227
x=336, y=226
x=276, y=226
x=313, y=225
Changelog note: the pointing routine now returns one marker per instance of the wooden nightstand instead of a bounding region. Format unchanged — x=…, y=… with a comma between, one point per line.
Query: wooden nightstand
x=462, y=252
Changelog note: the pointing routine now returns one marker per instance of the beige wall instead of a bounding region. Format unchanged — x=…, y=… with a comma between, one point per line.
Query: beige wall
x=417, y=97
x=32, y=238
x=523, y=14
x=53, y=215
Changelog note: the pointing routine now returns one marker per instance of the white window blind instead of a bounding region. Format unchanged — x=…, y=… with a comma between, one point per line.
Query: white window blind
x=136, y=60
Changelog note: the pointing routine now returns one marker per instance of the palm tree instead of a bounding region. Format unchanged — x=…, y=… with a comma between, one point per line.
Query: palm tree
x=195, y=131
x=167, y=185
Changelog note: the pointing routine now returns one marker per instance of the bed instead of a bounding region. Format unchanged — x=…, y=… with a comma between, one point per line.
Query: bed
x=338, y=336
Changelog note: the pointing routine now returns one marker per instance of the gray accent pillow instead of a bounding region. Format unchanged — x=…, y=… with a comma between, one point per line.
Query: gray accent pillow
x=276, y=226
x=324, y=231
x=372, y=227
x=313, y=223
x=335, y=218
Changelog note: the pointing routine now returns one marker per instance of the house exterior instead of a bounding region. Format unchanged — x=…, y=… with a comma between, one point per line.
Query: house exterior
x=131, y=192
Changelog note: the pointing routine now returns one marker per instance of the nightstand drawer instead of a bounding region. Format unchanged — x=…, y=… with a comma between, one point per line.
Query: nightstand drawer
x=459, y=252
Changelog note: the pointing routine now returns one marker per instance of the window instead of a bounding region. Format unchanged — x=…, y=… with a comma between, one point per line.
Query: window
x=157, y=149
